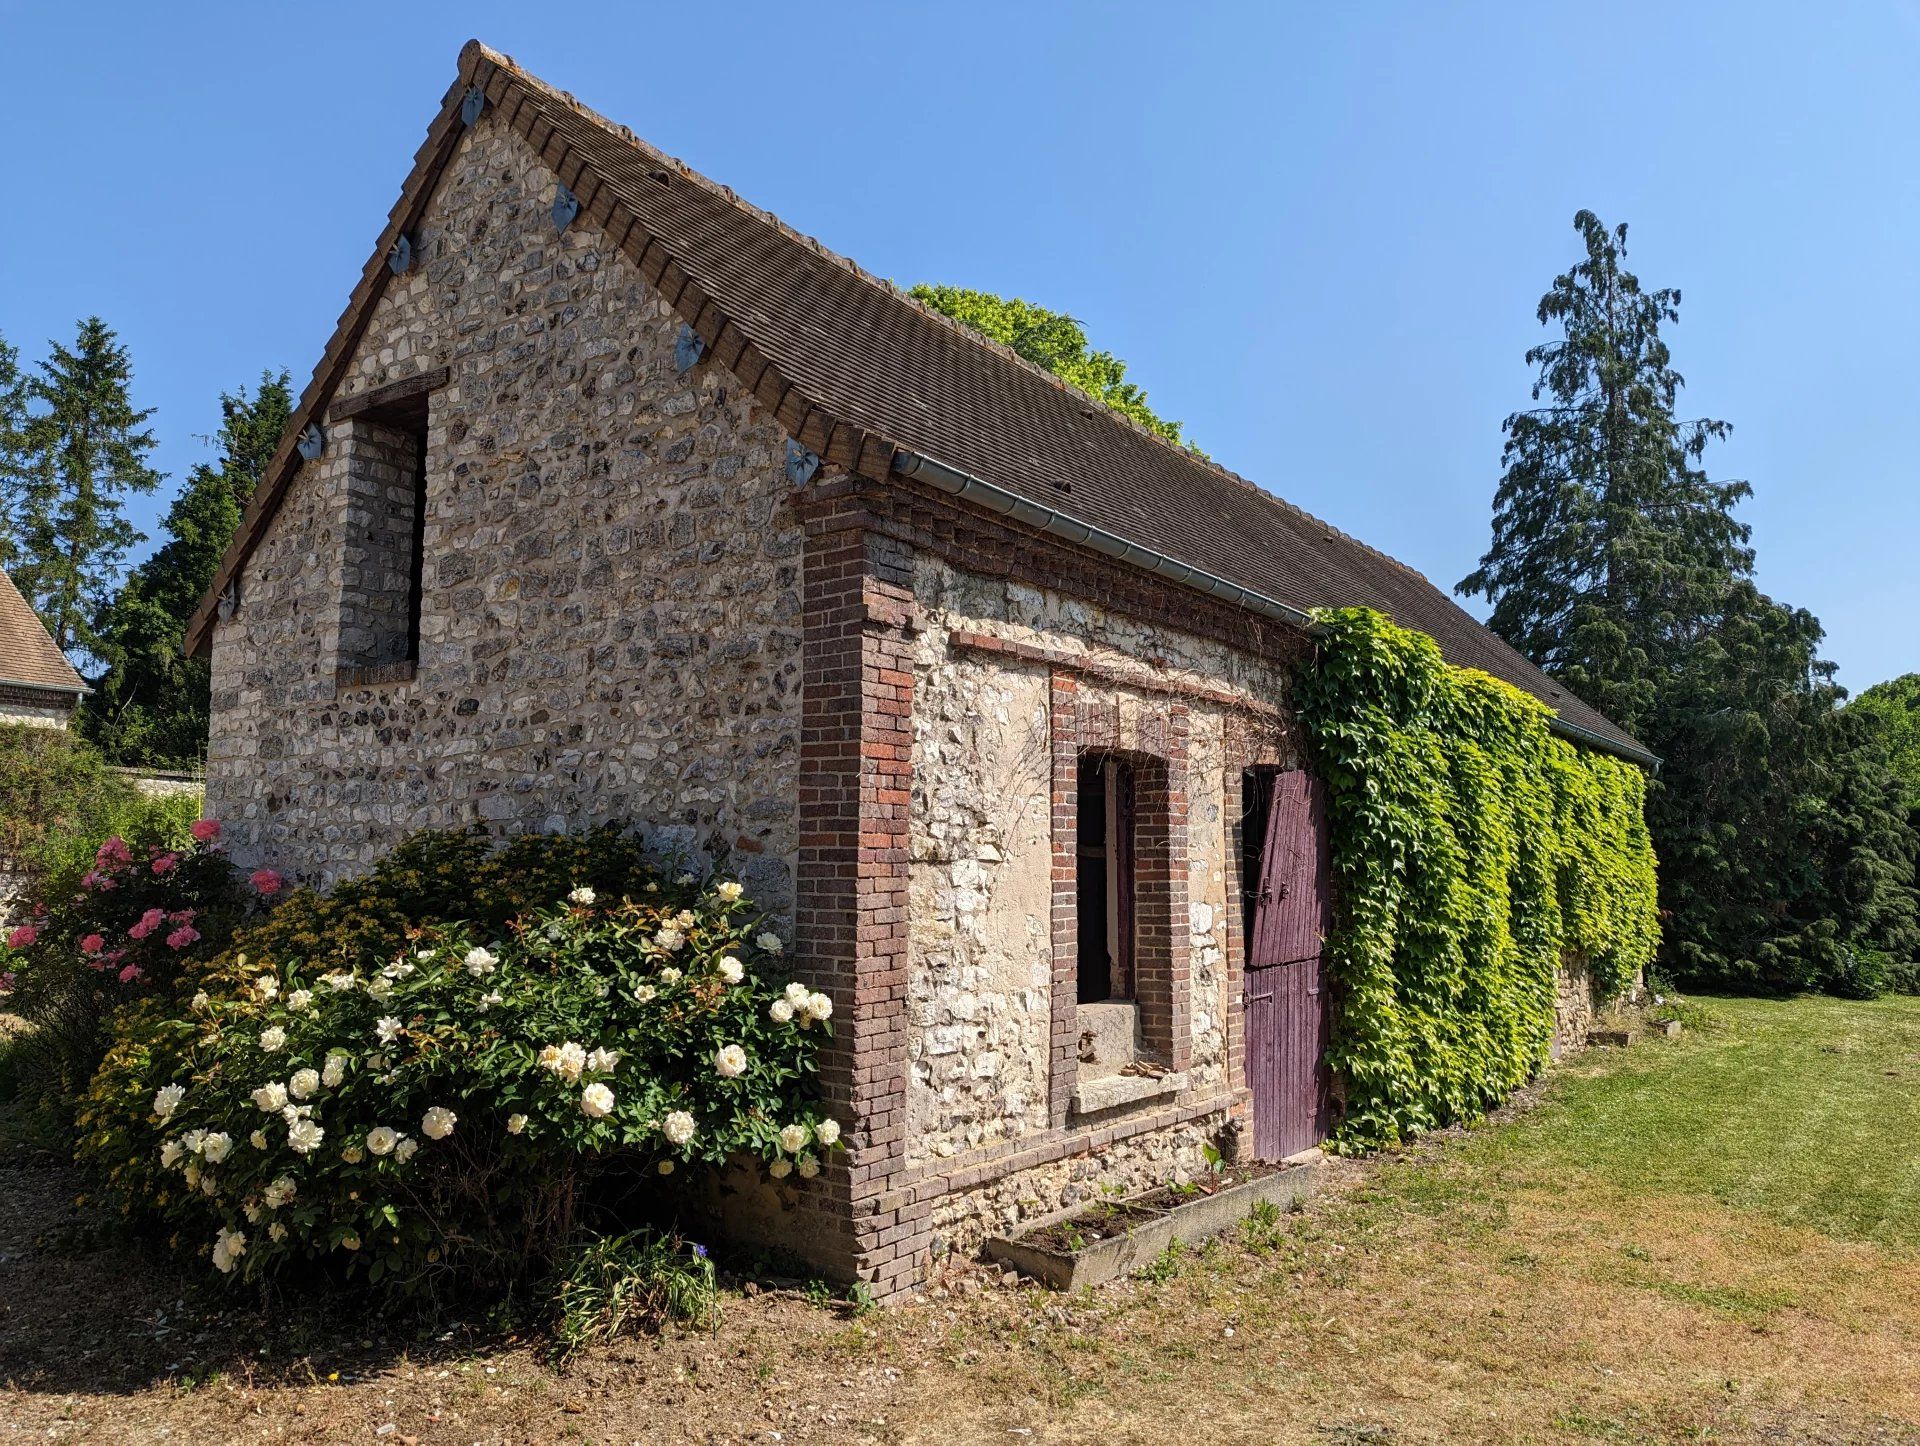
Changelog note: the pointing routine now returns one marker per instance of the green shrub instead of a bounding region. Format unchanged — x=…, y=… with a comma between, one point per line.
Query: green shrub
x=644, y=1278
x=1472, y=850
x=438, y=1103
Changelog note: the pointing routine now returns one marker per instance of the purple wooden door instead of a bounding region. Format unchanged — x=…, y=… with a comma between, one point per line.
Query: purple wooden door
x=1287, y=1015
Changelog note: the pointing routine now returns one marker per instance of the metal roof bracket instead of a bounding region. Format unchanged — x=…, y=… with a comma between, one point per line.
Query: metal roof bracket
x=801, y=464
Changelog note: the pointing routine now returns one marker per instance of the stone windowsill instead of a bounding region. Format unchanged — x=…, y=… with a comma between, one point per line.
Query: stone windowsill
x=1097, y=1094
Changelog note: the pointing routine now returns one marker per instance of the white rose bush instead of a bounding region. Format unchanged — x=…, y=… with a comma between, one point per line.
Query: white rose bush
x=448, y=1105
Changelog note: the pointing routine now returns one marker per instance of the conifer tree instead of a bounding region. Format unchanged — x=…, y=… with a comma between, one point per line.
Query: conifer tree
x=150, y=706
x=1617, y=565
x=82, y=451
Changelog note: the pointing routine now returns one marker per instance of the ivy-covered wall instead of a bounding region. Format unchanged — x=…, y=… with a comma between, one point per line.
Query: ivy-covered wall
x=1471, y=848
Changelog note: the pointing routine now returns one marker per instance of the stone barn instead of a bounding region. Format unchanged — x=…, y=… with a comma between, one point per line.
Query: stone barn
x=613, y=498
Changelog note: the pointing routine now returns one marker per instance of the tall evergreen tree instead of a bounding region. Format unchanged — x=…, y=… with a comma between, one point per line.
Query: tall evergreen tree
x=83, y=450
x=1617, y=565
x=15, y=466
x=1896, y=703
x=150, y=706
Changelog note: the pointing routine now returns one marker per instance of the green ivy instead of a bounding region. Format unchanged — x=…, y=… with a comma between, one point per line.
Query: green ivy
x=1472, y=848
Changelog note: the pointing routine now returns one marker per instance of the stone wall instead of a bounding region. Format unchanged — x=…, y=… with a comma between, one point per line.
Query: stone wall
x=40, y=710
x=609, y=622
x=983, y=986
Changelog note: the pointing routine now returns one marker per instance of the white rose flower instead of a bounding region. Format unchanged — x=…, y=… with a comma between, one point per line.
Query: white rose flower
x=670, y=976
x=273, y=1038
x=669, y=939
x=797, y=994
x=603, y=1060
x=596, y=1101
x=299, y=999
x=582, y=895
x=270, y=1097
x=304, y=1136
x=352, y=1155
x=827, y=1132
x=304, y=1084
x=781, y=1011
x=252, y=1211
x=732, y=970
x=290, y=1113
x=192, y=1140
x=481, y=962
x=387, y=1028
x=731, y=1061
x=267, y=987
x=279, y=1192
x=423, y=955
x=192, y=1174
x=334, y=1070
x=653, y=888
x=171, y=1153
x=228, y=1246
x=406, y=1149
x=200, y=1000
x=516, y=1124
x=258, y=1139
x=730, y=891
x=216, y=1147
x=770, y=943
x=437, y=1123
x=678, y=1127
x=568, y=1060
x=643, y=993
x=491, y=998
x=340, y=981
x=381, y=1139
x=793, y=1138
x=209, y=1185
x=665, y=1167
x=685, y=919
x=809, y=1167
x=780, y=1168
x=399, y=969
x=276, y=1232
x=819, y=1006
x=167, y=1099
x=380, y=989
x=684, y=880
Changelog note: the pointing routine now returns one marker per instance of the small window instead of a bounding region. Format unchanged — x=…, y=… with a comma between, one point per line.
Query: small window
x=385, y=563
x=1105, y=877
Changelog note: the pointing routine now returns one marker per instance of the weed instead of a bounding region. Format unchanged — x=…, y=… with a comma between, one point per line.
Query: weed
x=644, y=1278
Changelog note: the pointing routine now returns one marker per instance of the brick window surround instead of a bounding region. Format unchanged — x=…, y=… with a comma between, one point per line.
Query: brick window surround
x=1155, y=746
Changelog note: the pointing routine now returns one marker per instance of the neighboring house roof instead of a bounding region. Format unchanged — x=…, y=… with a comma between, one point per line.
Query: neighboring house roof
x=861, y=374
x=29, y=657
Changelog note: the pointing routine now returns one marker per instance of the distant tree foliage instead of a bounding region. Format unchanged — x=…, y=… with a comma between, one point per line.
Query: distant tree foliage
x=1787, y=859
x=1896, y=704
x=1056, y=342
x=151, y=704
x=73, y=447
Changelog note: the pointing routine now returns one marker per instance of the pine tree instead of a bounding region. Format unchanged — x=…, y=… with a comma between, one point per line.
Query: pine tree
x=15, y=467
x=83, y=450
x=151, y=704
x=1618, y=566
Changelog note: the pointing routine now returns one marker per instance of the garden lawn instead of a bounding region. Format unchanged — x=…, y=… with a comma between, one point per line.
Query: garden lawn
x=1715, y=1237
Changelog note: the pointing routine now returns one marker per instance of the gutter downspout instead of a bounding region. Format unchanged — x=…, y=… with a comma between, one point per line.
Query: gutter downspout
x=1053, y=523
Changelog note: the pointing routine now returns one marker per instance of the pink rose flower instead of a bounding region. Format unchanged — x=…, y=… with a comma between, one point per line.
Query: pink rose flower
x=129, y=974
x=180, y=916
x=182, y=936
x=92, y=944
x=7, y=981
x=112, y=854
x=149, y=921
x=166, y=863
x=266, y=881
x=22, y=937
x=206, y=830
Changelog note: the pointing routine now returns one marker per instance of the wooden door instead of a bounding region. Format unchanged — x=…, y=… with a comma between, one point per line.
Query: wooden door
x=1287, y=1018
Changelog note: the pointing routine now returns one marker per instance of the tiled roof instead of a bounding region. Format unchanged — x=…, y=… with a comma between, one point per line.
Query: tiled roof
x=857, y=371
x=28, y=655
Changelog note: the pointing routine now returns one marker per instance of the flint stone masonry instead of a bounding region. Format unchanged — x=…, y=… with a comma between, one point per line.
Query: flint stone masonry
x=981, y=946
x=609, y=626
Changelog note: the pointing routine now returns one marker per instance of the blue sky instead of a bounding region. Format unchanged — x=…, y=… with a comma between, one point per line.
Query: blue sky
x=1317, y=232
